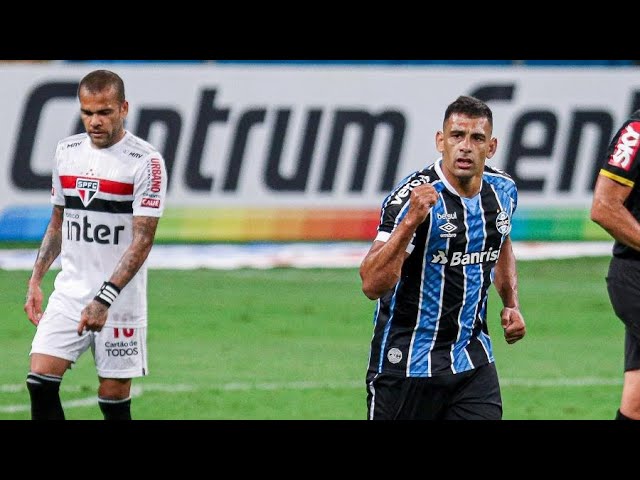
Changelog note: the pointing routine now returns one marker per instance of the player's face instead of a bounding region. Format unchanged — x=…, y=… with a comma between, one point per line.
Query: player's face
x=103, y=116
x=465, y=144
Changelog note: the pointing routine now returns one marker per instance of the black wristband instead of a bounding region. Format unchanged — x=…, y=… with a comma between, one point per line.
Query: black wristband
x=107, y=294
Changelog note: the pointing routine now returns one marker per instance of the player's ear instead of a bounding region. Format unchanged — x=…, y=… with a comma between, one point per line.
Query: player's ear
x=440, y=141
x=493, y=146
x=124, y=109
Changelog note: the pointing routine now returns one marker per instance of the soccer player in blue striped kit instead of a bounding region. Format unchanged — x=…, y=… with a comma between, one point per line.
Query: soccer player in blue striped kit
x=443, y=239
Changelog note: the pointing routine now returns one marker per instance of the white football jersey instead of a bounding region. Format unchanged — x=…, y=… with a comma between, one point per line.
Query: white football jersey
x=101, y=190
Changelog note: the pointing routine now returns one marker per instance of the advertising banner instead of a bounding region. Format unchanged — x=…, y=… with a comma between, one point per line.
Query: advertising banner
x=307, y=153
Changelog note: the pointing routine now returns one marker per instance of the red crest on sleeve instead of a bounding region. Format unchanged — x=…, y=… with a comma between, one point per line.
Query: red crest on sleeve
x=624, y=154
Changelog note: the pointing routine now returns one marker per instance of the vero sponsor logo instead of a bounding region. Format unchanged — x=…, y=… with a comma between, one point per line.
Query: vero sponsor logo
x=405, y=191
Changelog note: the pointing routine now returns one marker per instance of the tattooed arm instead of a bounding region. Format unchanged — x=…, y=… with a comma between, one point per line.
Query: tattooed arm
x=94, y=315
x=48, y=252
x=144, y=232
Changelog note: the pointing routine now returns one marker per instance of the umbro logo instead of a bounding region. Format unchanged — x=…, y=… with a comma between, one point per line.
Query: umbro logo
x=448, y=227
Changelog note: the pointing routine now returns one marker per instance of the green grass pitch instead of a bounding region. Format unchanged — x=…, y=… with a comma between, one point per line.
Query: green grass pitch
x=292, y=344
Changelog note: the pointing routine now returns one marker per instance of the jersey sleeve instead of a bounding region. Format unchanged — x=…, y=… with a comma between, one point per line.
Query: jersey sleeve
x=150, y=187
x=513, y=195
x=57, y=195
x=396, y=205
x=512, y=206
x=621, y=162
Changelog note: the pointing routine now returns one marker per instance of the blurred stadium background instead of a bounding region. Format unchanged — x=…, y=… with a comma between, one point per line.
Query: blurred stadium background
x=297, y=155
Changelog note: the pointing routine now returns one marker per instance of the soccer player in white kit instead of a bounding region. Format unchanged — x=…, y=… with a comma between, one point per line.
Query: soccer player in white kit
x=108, y=194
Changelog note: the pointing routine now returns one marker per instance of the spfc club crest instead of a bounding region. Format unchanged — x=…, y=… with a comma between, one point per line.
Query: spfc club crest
x=87, y=189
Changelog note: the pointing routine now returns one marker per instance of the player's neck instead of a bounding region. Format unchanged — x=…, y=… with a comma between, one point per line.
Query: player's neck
x=467, y=187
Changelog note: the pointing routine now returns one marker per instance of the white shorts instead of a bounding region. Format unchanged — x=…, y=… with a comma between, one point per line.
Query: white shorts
x=118, y=352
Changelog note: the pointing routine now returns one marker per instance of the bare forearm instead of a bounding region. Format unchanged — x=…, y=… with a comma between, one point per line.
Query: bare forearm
x=619, y=223
x=506, y=276
x=610, y=212
x=134, y=257
x=49, y=248
x=508, y=291
x=381, y=268
x=128, y=266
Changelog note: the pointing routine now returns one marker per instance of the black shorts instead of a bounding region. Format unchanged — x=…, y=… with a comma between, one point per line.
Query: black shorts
x=471, y=395
x=623, y=285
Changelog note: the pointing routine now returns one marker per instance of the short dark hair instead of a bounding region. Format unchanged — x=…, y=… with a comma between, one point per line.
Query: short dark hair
x=470, y=106
x=100, y=80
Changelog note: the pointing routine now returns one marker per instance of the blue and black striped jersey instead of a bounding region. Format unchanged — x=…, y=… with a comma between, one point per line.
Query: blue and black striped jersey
x=434, y=321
